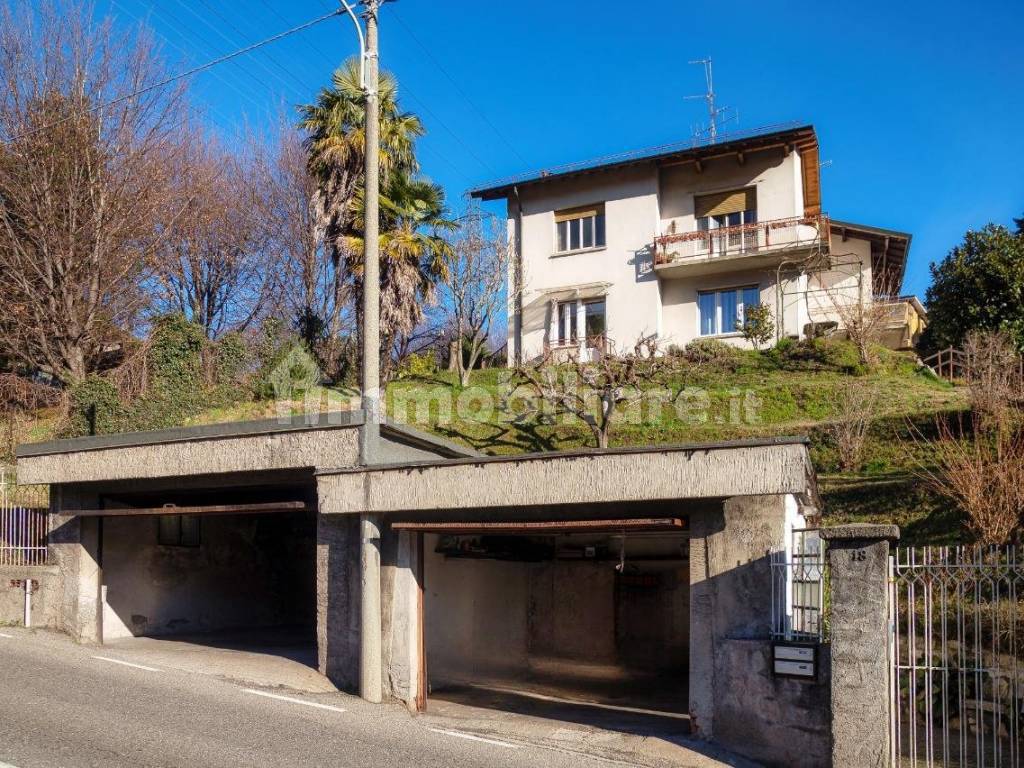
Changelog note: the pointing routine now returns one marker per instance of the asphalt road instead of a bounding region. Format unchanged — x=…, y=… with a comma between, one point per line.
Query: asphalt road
x=62, y=706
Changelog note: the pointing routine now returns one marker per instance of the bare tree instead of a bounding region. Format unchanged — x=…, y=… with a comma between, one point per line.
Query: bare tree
x=855, y=405
x=315, y=290
x=864, y=311
x=215, y=266
x=995, y=374
x=981, y=470
x=83, y=182
x=472, y=293
x=591, y=391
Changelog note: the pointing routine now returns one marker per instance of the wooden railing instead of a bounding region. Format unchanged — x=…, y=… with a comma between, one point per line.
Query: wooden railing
x=954, y=364
x=798, y=231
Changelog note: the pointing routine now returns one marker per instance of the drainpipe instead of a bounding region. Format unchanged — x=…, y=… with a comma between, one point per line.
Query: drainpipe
x=517, y=281
x=28, y=603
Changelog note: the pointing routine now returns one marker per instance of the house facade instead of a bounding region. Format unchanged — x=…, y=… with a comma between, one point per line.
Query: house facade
x=678, y=243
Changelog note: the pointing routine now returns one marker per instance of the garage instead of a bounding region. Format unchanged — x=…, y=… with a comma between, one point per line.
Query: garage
x=581, y=619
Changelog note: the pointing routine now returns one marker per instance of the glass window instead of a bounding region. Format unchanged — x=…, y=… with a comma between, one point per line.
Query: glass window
x=594, y=317
x=707, y=308
x=178, y=531
x=728, y=303
x=576, y=232
x=725, y=311
x=567, y=322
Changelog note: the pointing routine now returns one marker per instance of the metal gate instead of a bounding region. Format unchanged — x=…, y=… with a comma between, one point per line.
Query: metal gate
x=957, y=651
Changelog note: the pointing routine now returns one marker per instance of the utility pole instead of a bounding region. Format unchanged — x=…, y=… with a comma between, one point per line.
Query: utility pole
x=370, y=658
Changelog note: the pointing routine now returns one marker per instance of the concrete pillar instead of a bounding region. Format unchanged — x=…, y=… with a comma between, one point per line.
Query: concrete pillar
x=858, y=561
x=338, y=597
x=75, y=551
x=370, y=687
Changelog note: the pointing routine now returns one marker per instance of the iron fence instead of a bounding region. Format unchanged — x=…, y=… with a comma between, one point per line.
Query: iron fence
x=798, y=588
x=24, y=524
x=957, y=657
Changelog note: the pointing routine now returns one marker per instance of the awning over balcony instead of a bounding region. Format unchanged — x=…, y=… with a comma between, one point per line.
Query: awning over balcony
x=567, y=292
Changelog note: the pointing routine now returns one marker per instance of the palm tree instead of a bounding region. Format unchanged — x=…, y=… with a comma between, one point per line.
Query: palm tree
x=414, y=255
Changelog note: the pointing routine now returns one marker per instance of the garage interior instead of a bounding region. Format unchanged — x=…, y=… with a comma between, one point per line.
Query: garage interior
x=583, y=620
x=226, y=567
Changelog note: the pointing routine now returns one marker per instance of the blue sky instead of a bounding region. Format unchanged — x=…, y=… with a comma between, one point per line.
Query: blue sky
x=919, y=106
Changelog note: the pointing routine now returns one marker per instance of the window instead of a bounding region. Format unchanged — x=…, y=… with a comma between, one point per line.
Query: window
x=567, y=322
x=577, y=229
x=595, y=322
x=728, y=209
x=594, y=325
x=178, y=531
x=725, y=311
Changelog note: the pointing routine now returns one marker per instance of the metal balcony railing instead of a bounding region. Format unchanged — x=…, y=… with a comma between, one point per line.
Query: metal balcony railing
x=756, y=237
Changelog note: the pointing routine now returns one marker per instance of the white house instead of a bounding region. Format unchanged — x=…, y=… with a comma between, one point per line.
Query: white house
x=677, y=242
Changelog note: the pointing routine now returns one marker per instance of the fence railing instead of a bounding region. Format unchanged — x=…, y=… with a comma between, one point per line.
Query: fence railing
x=24, y=524
x=798, y=588
x=801, y=231
x=957, y=651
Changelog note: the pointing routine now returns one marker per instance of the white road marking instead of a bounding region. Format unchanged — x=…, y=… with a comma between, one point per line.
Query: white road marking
x=9, y=637
x=471, y=737
x=2, y=763
x=127, y=663
x=316, y=704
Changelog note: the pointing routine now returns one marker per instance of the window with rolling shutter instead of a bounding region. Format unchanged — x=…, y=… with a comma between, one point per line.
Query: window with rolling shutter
x=724, y=203
x=580, y=228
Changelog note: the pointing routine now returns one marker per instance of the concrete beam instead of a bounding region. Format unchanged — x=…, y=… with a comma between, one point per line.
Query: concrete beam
x=626, y=475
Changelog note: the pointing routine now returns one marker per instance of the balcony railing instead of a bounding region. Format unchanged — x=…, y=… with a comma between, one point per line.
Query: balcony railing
x=756, y=237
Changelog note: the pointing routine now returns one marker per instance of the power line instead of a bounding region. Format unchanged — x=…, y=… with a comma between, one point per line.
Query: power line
x=188, y=73
x=458, y=88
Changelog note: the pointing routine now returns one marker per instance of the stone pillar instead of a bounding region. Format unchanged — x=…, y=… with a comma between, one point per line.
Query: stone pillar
x=858, y=561
x=370, y=661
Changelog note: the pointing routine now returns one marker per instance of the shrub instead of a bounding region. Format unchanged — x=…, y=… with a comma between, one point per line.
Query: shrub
x=418, y=365
x=95, y=408
x=231, y=359
x=711, y=352
x=758, y=325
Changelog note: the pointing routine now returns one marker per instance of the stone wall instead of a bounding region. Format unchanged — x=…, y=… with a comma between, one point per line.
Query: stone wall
x=734, y=699
x=46, y=597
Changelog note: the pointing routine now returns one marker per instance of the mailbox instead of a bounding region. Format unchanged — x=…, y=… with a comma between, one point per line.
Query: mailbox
x=796, y=660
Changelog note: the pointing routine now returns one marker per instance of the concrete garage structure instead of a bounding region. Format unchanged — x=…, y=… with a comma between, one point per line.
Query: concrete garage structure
x=640, y=576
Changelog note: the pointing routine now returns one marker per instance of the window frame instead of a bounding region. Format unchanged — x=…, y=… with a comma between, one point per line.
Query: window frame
x=179, y=537
x=595, y=226
x=741, y=309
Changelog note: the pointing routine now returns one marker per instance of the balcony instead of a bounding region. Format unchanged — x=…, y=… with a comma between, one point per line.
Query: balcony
x=746, y=245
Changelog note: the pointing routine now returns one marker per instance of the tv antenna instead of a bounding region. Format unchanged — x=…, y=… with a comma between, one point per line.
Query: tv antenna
x=715, y=114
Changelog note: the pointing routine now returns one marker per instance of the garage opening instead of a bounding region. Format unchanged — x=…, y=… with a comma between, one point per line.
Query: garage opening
x=232, y=569
x=585, y=621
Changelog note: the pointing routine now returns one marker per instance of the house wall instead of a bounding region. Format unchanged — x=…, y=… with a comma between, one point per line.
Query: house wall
x=640, y=202
x=774, y=174
x=846, y=283
x=630, y=197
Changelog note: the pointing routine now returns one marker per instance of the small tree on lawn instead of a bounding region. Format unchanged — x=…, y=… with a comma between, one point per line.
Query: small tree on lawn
x=758, y=326
x=865, y=316
x=592, y=391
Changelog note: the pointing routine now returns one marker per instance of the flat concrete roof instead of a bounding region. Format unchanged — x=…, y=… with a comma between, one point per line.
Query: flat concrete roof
x=219, y=431
x=772, y=466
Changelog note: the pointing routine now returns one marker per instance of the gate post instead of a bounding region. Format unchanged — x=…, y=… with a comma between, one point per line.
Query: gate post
x=858, y=560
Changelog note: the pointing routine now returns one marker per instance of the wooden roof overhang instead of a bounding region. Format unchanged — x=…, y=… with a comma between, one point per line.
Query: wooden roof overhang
x=889, y=253
x=802, y=139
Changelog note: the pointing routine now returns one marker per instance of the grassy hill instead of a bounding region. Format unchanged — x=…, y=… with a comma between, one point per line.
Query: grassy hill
x=789, y=391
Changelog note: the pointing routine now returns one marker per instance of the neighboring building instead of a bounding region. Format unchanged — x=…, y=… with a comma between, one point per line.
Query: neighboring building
x=677, y=242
